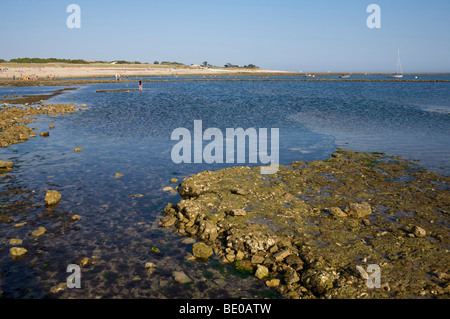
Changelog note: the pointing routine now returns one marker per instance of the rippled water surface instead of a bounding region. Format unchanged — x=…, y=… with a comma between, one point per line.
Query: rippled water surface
x=129, y=133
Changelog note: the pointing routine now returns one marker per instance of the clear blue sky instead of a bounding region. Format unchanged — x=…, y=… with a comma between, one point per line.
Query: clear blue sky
x=291, y=35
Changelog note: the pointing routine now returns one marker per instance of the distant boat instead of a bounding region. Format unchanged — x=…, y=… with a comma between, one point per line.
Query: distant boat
x=344, y=76
x=399, y=73
x=310, y=75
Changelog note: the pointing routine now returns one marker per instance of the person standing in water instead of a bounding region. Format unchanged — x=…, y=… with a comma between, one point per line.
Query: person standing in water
x=140, y=85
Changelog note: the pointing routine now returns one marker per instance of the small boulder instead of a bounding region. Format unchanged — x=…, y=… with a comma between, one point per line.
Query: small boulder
x=237, y=212
x=17, y=252
x=291, y=277
x=38, y=232
x=358, y=210
x=201, y=250
x=52, y=197
x=273, y=283
x=84, y=262
x=167, y=221
x=4, y=164
x=44, y=134
x=419, y=231
x=181, y=277
x=149, y=265
x=336, y=212
x=279, y=256
x=257, y=259
x=58, y=288
x=261, y=272
x=14, y=241
x=239, y=191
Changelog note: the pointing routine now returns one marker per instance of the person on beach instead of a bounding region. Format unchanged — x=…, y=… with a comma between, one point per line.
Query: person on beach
x=140, y=85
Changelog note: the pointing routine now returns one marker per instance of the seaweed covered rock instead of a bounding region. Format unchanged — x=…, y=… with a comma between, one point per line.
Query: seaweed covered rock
x=6, y=165
x=308, y=228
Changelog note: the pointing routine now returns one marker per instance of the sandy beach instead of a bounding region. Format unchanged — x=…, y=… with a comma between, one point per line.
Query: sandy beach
x=60, y=70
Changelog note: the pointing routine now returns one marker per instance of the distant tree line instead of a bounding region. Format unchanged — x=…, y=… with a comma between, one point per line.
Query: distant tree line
x=248, y=66
x=48, y=60
x=80, y=61
x=170, y=63
x=127, y=62
x=56, y=60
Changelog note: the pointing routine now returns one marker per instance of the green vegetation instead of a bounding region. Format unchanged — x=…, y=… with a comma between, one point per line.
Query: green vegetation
x=251, y=66
x=171, y=63
x=49, y=60
x=127, y=62
x=248, y=66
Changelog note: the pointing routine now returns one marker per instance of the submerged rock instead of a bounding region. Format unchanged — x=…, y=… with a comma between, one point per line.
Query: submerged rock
x=52, y=197
x=14, y=241
x=149, y=265
x=59, y=287
x=17, y=252
x=5, y=164
x=202, y=250
x=38, y=232
x=84, y=262
x=181, y=277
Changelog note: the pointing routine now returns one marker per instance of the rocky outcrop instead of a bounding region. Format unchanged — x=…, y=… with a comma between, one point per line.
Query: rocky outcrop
x=13, y=120
x=309, y=229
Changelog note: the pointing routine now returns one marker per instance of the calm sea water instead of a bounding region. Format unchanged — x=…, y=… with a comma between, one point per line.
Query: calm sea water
x=129, y=133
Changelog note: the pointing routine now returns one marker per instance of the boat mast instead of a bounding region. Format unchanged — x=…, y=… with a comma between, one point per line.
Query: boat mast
x=399, y=64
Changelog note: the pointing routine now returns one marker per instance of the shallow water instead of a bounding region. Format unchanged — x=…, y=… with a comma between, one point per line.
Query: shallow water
x=129, y=133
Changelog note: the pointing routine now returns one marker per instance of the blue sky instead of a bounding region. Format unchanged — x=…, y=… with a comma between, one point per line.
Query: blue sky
x=311, y=36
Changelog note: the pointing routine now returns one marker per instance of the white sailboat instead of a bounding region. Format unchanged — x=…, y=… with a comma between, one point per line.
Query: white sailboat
x=399, y=73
